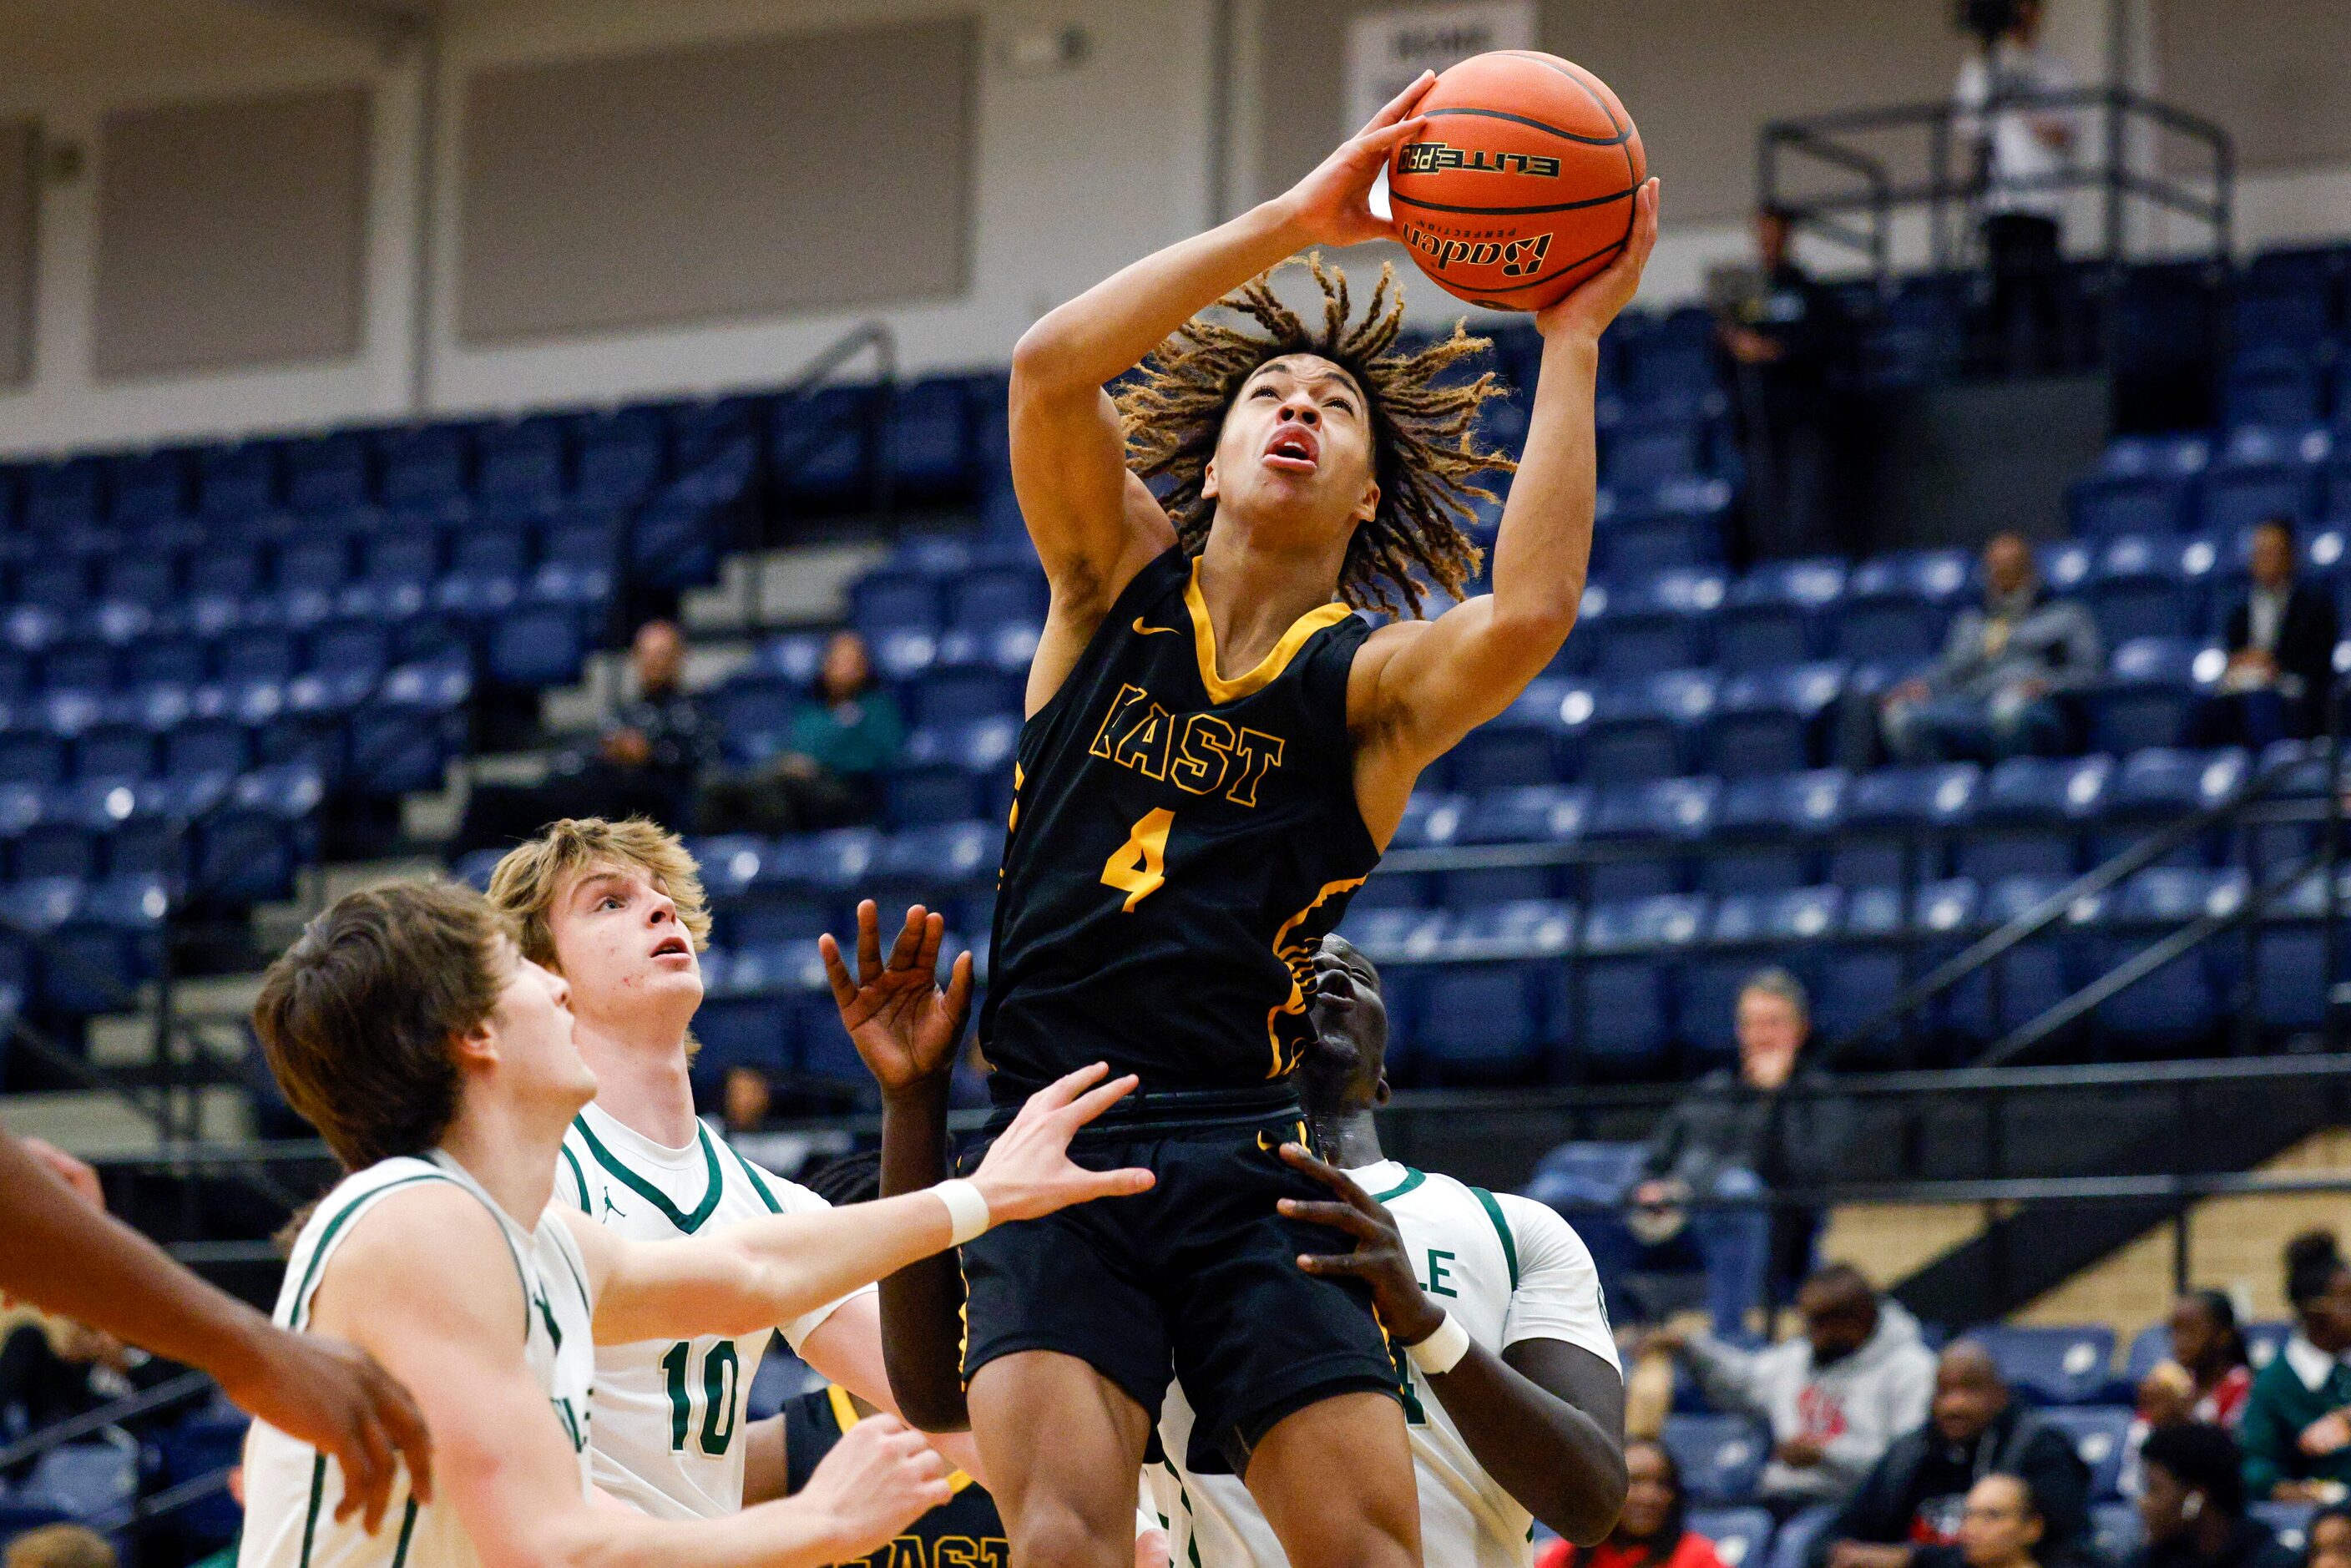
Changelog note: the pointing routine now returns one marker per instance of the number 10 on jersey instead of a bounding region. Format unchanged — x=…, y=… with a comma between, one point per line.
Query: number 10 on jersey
x=1138, y=866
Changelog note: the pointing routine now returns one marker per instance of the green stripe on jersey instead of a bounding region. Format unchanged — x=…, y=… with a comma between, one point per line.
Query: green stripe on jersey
x=580, y=1176
x=317, y=1491
x=1503, y=1229
x=759, y=1182
x=689, y=1223
x=318, y=1252
x=1412, y=1179
x=407, y=1529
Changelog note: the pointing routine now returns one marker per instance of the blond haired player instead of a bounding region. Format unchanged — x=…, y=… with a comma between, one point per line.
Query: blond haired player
x=439, y=1064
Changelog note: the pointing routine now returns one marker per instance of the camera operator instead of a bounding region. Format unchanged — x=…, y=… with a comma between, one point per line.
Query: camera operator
x=2020, y=149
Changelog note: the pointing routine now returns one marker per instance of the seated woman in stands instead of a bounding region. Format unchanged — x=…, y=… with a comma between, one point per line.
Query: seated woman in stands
x=1649, y=1532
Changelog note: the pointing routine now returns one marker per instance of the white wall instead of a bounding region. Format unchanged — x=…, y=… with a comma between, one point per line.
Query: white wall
x=1078, y=172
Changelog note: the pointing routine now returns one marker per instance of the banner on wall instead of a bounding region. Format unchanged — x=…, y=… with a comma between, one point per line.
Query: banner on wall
x=1388, y=47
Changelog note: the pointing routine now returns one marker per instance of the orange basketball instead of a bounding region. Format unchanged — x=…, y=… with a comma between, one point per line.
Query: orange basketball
x=1520, y=185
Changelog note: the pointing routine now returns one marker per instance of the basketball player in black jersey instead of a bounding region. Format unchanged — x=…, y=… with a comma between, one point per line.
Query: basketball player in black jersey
x=1215, y=753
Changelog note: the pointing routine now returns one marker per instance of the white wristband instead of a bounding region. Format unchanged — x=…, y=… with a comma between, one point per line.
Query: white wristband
x=1441, y=1352
x=967, y=1213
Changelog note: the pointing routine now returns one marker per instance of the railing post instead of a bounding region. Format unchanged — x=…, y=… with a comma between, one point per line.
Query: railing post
x=2329, y=848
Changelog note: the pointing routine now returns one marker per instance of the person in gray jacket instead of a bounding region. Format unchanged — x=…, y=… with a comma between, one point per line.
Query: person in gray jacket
x=1835, y=1396
x=1993, y=694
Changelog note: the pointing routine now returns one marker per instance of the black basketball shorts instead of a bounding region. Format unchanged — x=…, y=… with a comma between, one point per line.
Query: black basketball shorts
x=1198, y=1277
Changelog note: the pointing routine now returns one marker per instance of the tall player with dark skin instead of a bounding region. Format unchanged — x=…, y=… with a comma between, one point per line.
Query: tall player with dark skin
x=1293, y=478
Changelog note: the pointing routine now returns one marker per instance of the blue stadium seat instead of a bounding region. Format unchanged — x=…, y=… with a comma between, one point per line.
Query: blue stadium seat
x=83, y=1480
x=54, y=583
x=1777, y=613
x=521, y=461
x=885, y=601
x=1898, y=813
x=2067, y=1365
x=326, y=472
x=1786, y=815
x=2148, y=587
x=2150, y=695
x=2272, y=384
x=2180, y=1002
x=2030, y=978
x=2288, y=1521
x=1658, y=624
x=1482, y=1021
x=2289, y=985
x=1647, y=450
x=1656, y=817
x=824, y=446
x=1722, y=1458
x=620, y=455
x=1770, y=721
x=423, y=464
x=717, y=429
x=2099, y=1434
x=542, y=642
x=753, y=710
x=1525, y=744
x=403, y=736
x=2115, y=1530
x=926, y=440
x=991, y=597
x=2264, y=471
x=1626, y=1026
x=2157, y=784
x=2029, y=820
x=248, y=851
x=145, y=486
x=238, y=481
x=61, y=496
x=1640, y=727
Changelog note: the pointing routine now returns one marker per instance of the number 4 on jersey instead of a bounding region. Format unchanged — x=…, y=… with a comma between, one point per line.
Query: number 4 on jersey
x=1138, y=866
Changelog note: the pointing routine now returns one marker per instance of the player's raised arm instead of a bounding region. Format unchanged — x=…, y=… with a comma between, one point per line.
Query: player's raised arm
x=451, y=1331
x=1420, y=686
x=60, y=1251
x=906, y=1027
x=764, y=1272
x=1093, y=523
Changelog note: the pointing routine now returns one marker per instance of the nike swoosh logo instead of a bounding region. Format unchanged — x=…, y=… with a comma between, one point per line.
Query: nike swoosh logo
x=1143, y=630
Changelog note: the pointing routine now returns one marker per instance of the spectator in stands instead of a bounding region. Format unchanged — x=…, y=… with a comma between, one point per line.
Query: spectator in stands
x=2328, y=1542
x=1781, y=336
x=2020, y=152
x=52, y=1369
x=2193, y=1510
x=2280, y=637
x=59, y=1546
x=646, y=761
x=1835, y=1396
x=1650, y=1531
x=2206, y=1378
x=2297, y=1427
x=745, y=1099
x=844, y=738
x=1735, y=1135
x=1907, y=1512
x=2000, y=1525
x=1993, y=693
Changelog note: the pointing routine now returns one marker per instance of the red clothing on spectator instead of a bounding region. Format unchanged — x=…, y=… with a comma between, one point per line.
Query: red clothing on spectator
x=1693, y=1551
x=2225, y=1406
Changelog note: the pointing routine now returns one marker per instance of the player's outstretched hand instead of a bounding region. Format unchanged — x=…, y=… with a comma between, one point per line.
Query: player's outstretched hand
x=1333, y=203
x=1378, y=1260
x=335, y=1398
x=902, y=1023
x=1588, y=308
x=1028, y=1171
x=879, y=1478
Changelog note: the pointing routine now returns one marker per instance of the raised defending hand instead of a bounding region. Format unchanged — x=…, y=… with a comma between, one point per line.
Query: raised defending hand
x=1586, y=309
x=879, y=1478
x=336, y=1398
x=904, y=1025
x=1379, y=1258
x=1332, y=205
x=1028, y=1171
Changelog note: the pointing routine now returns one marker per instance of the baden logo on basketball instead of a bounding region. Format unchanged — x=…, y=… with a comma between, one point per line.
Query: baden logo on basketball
x=1520, y=257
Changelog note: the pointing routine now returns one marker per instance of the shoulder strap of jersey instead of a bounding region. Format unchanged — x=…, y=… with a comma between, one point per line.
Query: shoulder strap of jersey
x=332, y=1223
x=1167, y=570
x=578, y=1172
x=1501, y=1228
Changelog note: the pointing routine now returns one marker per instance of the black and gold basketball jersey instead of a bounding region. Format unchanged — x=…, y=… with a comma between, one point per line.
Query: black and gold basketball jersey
x=1179, y=843
x=965, y=1531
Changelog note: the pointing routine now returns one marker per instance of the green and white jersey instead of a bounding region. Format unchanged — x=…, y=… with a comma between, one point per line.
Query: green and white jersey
x=291, y=1489
x=669, y=1413
x=1507, y=1268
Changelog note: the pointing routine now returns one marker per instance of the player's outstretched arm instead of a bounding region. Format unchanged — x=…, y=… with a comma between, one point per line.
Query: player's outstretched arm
x=63, y=1253
x=906, y=1027
x=1093, y=523
x=453, y=1333
x=1420, y=686
x=749, y=1277
x=1546, y=1418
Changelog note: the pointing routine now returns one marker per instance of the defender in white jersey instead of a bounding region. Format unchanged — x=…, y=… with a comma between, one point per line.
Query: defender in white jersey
x=438, y=1063
x=1513, y=1396
x=617, y=909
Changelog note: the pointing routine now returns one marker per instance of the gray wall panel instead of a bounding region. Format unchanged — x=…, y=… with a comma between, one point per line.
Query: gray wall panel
x=19, y=192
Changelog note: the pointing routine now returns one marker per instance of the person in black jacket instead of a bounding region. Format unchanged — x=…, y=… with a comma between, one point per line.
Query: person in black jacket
x=2192, y=1509
x=2280, y=637
x=1906, y=1512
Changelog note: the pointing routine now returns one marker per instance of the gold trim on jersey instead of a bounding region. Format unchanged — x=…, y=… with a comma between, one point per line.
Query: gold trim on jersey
x=1204, y=644
x=845, y=1416
x=1299, y=961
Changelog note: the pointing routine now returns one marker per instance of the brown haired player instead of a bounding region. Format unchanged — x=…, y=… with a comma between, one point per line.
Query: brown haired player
x=438, y=1063
x=1217, y=751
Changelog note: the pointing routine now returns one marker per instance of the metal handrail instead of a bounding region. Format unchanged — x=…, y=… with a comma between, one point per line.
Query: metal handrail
x=181, y=1390
x=1825, y=137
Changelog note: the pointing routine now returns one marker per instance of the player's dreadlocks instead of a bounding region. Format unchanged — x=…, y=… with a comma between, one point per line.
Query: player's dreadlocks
x=1426, y=456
